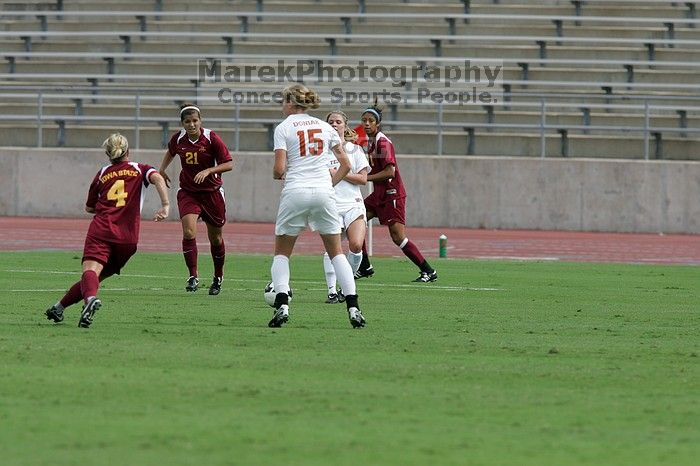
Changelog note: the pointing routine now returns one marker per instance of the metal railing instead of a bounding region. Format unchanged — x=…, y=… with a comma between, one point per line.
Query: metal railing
x=256, y=80
x=436, y=40
x=543, y=128
x=361, y=16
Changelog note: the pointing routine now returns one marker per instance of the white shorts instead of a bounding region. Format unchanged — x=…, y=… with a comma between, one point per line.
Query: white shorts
x=312, y=207
x=348, y=213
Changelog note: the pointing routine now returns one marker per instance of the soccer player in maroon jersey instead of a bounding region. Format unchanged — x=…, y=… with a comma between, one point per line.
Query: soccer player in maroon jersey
x=203, y=157
x=388, y=198
x=115, y=197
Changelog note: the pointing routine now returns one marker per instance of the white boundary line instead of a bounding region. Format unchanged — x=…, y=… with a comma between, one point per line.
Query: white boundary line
x=433, y=287
x=518, y=258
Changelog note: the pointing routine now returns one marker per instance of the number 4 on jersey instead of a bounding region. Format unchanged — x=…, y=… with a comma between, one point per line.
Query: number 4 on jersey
x=317, y=148
x=117, y=193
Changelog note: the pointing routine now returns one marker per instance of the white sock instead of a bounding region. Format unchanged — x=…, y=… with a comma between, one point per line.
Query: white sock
x=330, y=273
x=280, y=273
x=354, y=258
x=58, y=306
x=344, y=273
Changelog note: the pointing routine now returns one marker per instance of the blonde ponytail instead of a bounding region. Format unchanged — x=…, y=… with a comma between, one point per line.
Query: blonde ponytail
x=301, y=96
x=350, y=135
x=116, y=146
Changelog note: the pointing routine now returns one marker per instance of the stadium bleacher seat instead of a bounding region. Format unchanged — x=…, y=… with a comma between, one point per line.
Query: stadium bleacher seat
x=605, y=70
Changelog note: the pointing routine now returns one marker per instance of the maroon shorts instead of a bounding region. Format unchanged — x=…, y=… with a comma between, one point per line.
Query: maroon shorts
x=389, y=211
x=210, y=206
x=113, y=256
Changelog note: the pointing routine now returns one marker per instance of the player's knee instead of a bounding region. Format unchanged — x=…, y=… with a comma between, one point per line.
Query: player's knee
x=355, y=246
x=216, y=236
x=397, y=238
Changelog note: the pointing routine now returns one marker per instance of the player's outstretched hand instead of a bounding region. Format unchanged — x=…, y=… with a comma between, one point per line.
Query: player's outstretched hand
x=162, y=213
x=201, y=176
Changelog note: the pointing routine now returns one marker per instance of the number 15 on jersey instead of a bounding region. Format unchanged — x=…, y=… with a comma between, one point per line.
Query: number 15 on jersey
x=309, y=139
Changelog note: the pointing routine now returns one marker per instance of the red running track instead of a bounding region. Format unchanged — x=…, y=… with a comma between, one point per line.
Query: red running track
x=28, y=233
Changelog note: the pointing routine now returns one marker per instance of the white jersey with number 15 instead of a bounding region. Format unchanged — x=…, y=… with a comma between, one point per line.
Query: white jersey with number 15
x=308, y=142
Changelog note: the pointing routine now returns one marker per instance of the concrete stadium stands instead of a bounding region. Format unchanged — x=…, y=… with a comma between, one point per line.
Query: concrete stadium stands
x=579, y=79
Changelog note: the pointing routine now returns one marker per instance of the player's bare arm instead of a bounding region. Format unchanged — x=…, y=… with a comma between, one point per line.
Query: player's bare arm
x=359, y=178
x=388, y=172
x=344, y=162
x=280, y=166
x=167, y=159
x=159, y=182
x=224, y=167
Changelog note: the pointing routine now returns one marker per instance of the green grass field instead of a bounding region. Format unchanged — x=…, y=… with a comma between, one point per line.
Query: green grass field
x=497, y=363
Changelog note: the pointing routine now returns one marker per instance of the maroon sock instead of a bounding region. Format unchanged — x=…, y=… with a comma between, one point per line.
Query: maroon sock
x=89, y=283
x=189, y=250
x=412, y=252
x=72, y=296
x=218, y=254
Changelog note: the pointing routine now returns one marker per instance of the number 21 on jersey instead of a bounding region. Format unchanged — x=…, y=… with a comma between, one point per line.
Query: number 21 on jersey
x=191, y=158
x=310, y=138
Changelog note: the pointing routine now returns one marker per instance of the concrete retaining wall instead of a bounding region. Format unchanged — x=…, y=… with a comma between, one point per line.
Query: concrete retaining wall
x=472, y=192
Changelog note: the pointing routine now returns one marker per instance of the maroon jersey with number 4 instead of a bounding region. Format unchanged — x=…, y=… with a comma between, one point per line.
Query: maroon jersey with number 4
x=116, y=194
x=381, y=154
x=206, y=152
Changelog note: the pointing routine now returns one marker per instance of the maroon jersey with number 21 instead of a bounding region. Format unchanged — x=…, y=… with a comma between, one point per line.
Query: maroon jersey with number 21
x=206, y=152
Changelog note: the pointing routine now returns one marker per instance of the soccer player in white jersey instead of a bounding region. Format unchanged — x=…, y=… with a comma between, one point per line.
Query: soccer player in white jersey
x=302, y=144
x=349, y=199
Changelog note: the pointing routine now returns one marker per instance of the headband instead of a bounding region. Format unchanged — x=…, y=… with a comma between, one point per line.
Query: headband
x=374, y=112
x=189, y=107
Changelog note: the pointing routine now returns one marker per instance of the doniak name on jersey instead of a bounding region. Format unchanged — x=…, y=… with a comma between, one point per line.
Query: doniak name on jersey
x=305, y=123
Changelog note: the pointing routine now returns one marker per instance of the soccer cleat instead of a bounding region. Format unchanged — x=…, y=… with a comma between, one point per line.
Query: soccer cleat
x=426, y=277
x=215, y=287
x=332, y=298
x=357, y=320
x=341, y=296
x=192, y=284
x=88, y=311
x=281, y=316
x=368, y=272
x=54, y=314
